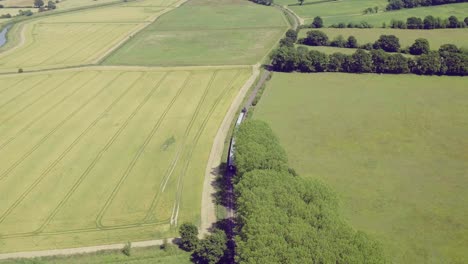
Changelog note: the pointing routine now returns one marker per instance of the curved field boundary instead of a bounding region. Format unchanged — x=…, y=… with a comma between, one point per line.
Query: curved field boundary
x=46, y=112
x=22, y=21
x=4, y=174
x=108, y=52
x=208, y=216
x=64, y=153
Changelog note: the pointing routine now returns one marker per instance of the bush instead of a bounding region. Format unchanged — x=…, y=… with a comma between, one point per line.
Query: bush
x=452, y=22
x=361, y=62
x=339, y=41
x=188, y=236
x=291, y=34
x=286, y=42
x=420, y=46
x=397, y=24
x=316, y=38
x=284, y=59
x=20, y=70
x=428, y=64
x=449, y=48
x=352, y=42
x=317, y=23
x=211, y=249
x=263, y=2
x=336, y=61
x=414, y=23
x=389, y=43
x=127, y=249
x=367, y=46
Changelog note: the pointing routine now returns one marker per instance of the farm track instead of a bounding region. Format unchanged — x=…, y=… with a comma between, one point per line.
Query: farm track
x=208, y=216
x=197, y=137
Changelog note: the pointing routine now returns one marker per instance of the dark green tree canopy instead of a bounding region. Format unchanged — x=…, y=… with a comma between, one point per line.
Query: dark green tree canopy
x=188, y=236
x=352, y=42
x=258, y=148
x=292, y=34
x=389, y=43
x=210, y=249
x=317, y=23
x=316, y=38
x=38, y=3
x=420, y=46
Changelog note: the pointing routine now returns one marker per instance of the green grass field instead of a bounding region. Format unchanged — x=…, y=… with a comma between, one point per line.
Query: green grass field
x=436, y=38
x=203, y=33
x=148, y=255
x=334, y=12
x=394, y=147
x=97, y=156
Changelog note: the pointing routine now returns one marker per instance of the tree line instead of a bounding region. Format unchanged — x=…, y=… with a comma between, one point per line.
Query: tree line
x=283, y=218
x=429, y=22
x=443, y=62
x=448, y=60
x=400, y=4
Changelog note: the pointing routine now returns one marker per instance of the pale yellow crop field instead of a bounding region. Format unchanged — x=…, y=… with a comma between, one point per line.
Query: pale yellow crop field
x=75, y=38
x=110, y=14
x=97, y=156
x=61, y=45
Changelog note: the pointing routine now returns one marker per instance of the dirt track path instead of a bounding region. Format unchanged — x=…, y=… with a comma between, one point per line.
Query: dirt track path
x=81, y=250
x=208, y=213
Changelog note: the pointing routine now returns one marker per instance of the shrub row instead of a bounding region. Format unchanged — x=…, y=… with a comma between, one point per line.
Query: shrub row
x=447, y=61
x=400, y=4
x=263, y=2
x=287, y=219
x=429, y=22
x=389, y=43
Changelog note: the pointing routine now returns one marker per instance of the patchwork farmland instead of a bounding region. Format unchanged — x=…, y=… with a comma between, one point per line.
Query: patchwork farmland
x=85, y=37
x=107, y=154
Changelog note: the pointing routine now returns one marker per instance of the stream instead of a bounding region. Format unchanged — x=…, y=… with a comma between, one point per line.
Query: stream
x=3, y=33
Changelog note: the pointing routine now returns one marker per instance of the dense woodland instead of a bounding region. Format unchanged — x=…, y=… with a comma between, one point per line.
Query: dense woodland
x=283, y=218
